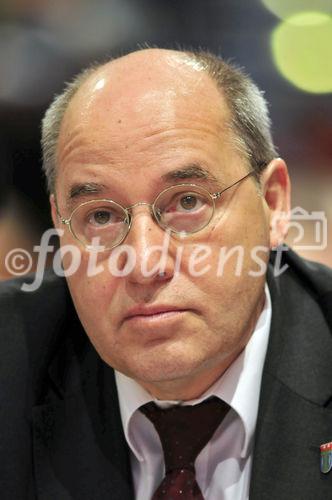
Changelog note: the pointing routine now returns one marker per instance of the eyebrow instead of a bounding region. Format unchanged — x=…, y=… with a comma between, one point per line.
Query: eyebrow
x=79, y=190
x=191, y=172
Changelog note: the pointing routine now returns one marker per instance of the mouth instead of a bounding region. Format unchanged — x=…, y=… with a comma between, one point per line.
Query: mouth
x=146, y=315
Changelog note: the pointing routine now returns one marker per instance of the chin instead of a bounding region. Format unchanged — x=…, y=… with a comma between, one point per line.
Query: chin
x=163, y=367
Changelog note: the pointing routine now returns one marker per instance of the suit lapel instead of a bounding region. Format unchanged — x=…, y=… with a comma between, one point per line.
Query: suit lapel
x=79, y=448
x=295, y=414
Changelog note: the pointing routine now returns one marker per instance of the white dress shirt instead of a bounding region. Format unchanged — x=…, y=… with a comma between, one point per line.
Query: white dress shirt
x=223, y=467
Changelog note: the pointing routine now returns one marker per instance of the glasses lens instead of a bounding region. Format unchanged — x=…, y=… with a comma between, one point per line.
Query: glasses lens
x=183, y=209
x=101, y=222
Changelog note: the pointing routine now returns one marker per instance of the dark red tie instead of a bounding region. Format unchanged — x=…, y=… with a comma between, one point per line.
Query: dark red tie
x=183, y=432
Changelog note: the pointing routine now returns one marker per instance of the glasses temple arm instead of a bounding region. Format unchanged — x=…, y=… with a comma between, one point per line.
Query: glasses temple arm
x=62, y=220
x=219, y=193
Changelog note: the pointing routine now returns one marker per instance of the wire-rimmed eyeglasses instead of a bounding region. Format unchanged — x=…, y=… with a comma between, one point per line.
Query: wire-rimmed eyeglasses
x=181, y=209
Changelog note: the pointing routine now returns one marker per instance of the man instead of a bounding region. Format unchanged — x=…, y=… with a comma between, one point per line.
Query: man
x=164, y=146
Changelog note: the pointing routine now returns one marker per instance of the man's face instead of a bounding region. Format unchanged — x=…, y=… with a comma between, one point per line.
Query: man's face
x=129, y=126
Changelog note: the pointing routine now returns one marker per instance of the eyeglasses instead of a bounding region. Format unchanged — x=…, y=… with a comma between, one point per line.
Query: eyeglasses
x=181, y=209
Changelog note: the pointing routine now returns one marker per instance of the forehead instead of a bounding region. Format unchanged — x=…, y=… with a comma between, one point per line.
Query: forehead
x=127, y=116
x=162, y=84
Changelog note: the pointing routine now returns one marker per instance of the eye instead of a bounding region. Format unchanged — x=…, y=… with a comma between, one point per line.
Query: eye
x=182, y=203
x=101, y=217
x=189, y=202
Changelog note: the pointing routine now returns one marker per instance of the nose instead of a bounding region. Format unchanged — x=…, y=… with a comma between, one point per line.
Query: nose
x=152, y=246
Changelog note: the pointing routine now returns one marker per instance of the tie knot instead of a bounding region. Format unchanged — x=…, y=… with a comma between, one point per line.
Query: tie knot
x=185, y=430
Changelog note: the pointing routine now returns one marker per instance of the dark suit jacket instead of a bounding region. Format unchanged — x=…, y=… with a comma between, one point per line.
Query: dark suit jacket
x=61, y=434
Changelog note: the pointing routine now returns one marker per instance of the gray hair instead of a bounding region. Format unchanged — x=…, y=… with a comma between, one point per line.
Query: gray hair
x=250, y=120
x=51, y=124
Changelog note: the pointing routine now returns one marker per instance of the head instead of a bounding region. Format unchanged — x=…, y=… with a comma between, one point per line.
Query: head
x=127, y=130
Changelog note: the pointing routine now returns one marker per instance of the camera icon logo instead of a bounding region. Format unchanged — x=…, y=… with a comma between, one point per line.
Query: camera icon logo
x=306, y=230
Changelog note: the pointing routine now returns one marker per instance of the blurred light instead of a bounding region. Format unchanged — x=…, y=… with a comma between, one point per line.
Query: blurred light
x=286, y=8
x=38, y=49
x=29, y=67
x=86, y=27
x=302, y=51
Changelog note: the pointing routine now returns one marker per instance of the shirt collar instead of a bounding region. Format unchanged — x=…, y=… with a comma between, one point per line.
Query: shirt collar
x=239, y=386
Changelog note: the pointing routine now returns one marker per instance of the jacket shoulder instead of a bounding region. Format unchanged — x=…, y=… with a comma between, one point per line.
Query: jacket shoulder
x=313, y=277
x=31, y=324
x=35, y=309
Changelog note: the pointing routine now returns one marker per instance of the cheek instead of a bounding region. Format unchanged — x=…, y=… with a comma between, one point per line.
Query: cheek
x=90, y=283
x=230, y=279
x=230, y=249
x=93, y=299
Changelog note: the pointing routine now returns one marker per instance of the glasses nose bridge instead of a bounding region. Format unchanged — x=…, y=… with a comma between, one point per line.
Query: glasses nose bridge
x=139, y=204
x=129, y=210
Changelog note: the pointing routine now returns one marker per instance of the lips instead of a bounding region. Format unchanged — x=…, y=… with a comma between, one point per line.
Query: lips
x=152, y=311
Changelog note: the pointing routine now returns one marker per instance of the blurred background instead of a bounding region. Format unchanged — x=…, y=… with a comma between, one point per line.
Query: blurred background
x=286, y=46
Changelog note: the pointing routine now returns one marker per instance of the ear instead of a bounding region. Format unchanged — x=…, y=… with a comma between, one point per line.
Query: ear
x=276, y=190
x=54, y=212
